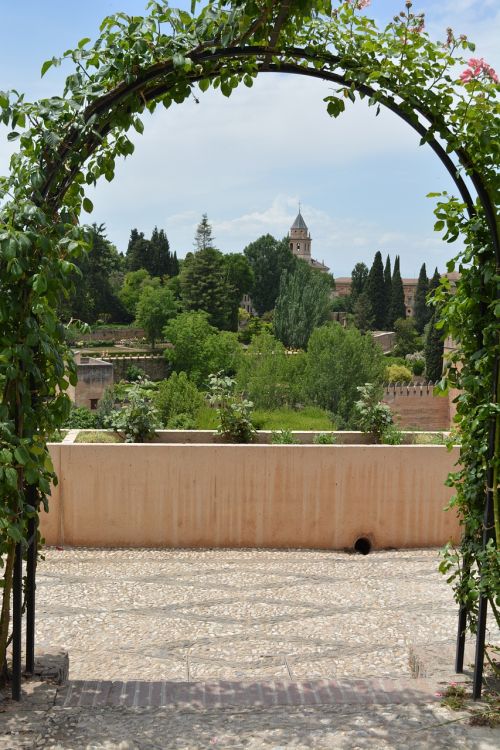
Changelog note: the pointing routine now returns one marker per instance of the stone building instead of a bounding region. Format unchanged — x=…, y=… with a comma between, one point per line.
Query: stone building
x=94, y=376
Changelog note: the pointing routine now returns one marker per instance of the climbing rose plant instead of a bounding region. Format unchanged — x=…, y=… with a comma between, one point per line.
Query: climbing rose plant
x=68, y=142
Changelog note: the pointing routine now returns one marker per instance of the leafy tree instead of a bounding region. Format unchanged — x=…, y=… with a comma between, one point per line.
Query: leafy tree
x=136, y=256
x=388, y=290
x=154, y=309
x=92, y=297
x=268, y=258
x=222, y=352
x=133, y=285
x=339, y=360
x=375, y=290
x=421, y=316
x=302, y=305
x=359, y=277
x=205, y=286
x=199, y=348
x=239, y=277
x=398, y=307
x=434, y=350
x=363, y=313
x=188, y=333
x=406, y=340
x=267, y=374
x=203, y=237
x=160, y=260
x=177, y=399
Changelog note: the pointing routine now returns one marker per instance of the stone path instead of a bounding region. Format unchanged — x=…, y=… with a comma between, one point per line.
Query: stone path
x=241, y=649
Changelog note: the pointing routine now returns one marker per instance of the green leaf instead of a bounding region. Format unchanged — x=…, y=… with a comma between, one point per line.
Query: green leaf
x=438, y=226
x=204, y=84
x=88, y=206
x=47, y=64
x=13, y=135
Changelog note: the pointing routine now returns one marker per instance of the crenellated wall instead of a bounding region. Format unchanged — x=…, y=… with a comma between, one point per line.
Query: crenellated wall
x=416, y=406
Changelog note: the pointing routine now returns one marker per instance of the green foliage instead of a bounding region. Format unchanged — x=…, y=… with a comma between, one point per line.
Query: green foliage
x=433, y=350
x=133, y=285
x=81, y=418
x=375, y=291
x=363, y=313
x=388, y=292
x=137, y=420
x=134, y=373
x=254, y=327
x=204, y=237
x=359, y=279
x=325, y=438
x=283, y=437
x=397, y=309
x=239, y=277
x=398, y=374
x=178, y=398
x=154, y=309
x=338, y=360
x=268, y=375
x=418, y=366
x=199, y=349
x=373, y=416
x=234, y=411
x=268, y=259
x=205, y=286
x=422, y=311
x=302, y=305
x=286, y=418
x=152, y=256
x=407, y=340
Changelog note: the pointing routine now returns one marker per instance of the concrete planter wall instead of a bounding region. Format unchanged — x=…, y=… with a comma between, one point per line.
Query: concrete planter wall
x=212, y=495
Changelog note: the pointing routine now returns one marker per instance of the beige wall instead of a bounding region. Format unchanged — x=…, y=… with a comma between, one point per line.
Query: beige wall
x=321, y=497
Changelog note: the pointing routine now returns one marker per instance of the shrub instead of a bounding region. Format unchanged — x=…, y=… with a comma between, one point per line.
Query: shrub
x=235, y=424
x=418, y=366
x=134, y=374
x=398, y=374
x=325, y=438
x=374, y=417
x=137, y=420
x=81, y=418
x=283, y=437
x=177, y=397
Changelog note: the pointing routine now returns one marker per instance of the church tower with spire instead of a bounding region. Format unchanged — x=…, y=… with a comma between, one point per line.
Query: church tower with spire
x=300, y=239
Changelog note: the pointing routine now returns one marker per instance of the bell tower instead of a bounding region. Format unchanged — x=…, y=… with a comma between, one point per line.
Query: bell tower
x=300, y=239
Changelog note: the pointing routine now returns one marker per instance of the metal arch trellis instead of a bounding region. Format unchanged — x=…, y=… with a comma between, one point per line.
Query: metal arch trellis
x=150, y=84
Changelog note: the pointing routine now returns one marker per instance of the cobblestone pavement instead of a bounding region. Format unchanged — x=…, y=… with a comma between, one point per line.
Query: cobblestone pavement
x=297, y=623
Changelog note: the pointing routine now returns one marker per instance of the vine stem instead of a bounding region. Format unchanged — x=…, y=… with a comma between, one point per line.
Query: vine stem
x=496, y=498
x=5, y=615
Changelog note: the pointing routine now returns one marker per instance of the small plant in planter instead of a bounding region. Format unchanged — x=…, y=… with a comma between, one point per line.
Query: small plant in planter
x=325, y=438
x=234, y=411
x=137, y=420
x=373, y=416
x=283, y=437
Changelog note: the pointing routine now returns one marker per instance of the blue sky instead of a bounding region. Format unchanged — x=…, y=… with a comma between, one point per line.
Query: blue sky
x=248, y=160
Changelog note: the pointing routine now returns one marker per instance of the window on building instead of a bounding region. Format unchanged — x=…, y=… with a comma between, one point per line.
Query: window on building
x=298, y=245
x=93, y=403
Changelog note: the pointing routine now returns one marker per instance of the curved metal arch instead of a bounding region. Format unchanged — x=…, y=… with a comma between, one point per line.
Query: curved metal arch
x=145, y=86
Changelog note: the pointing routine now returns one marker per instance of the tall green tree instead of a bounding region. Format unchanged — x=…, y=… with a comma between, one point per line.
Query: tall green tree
x=359, y=277
x=398, y=307
x=156, y=306
x=434, y=350
x=132, y=287
x=205, y=286
x=339, y=360
x=388, y=289
x=375, y=290
x=204, y=236
x=239, y=277
x=302, y=305
x=268, y=258
x=136, y=256
x=93, y=297
x=433, y=285
x=363, y=313
x=160, y=261
x=421, y=314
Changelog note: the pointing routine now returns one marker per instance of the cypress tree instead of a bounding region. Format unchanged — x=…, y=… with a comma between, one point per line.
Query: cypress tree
x=398, y=307
x=375, y=289
x=159, y=261
x=137, y=253
x=433, y=350
x=359, y=277
x=421, y=309
x=388, y=289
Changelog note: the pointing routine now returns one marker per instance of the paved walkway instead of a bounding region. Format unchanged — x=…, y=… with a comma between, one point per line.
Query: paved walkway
x=240, y=649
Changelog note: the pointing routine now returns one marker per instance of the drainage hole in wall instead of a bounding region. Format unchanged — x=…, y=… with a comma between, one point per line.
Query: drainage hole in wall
x=362, y=545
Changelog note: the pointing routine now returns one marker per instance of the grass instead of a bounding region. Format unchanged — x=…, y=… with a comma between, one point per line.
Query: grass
x=98, y=436
x=309, y=418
